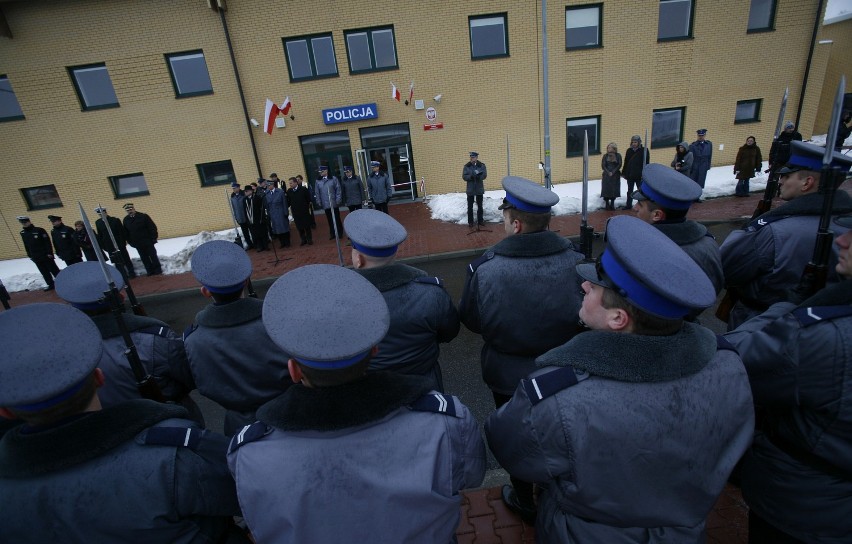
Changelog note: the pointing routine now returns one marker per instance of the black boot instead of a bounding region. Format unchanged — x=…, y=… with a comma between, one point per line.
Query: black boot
x=286, y=239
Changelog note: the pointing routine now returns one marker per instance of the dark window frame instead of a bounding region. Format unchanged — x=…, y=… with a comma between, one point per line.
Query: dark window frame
x=311, y=56
x=31, y=207
x=371, y=45
x=594, y=146
x=770, y=26
x=84, y=107
x=204, y=178
x=471, y=18
x=15, y=96
x=114, y=183
x=682, y=110
x=756, y=119
x=689, y=35
x=178, y=93
x=598, y=45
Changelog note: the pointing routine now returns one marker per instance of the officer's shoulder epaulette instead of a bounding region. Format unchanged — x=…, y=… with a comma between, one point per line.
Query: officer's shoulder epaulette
x=249, y=433
x=159, y=330
x=435, y=402
x=189, y=330
x=547, y=385
x=761, y=222
x=178, y=437
x=710, y=235
x=430, y=280
x=814, y=314
x=484, y=258
x=723, y=343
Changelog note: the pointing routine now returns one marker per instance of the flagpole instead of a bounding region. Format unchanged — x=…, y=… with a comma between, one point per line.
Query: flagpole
x=546, y=94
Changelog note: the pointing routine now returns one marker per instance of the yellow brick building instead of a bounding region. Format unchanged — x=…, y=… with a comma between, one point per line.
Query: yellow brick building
x=110, y=101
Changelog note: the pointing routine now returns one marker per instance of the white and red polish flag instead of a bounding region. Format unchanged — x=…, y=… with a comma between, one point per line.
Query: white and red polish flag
x=410, y=92
x=285, y=106
x=272, y=112
x=395, y=92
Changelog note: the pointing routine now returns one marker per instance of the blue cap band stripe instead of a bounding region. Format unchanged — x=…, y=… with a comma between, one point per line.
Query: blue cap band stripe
x=525, y=206
x=807, y=162
x=638, y=294
x=375, y=251
x=83, y=306
x=53, y=401
x=663, y=201
x=332, y=365
x=226, y=289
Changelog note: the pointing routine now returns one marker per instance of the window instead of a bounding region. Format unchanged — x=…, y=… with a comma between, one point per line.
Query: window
x=94, y=87
x=371, y=50
x=675, y=20
x=189, y=74
x=310, y=57
x=10, y=110
x=216, y=173
x=42, y=197
x=489, y=36
x=748, y=111
x=576, y=128
x=667, y=127
x=761, y=15
x=128, y=185
x=583, y=26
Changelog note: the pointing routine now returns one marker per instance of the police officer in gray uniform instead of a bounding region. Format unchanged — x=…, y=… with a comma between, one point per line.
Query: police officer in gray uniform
x=663, y=200
x=523, y=296
x=422, y=314
x=73, y=471
x=797, y=476
x=345, y=455
x=231, y=357
x=160, y=350
x=633, y=427
x=766, y=258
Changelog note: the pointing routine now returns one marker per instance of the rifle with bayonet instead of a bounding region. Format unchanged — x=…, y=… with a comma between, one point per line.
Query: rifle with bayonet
x=765, y=203
x=117, y=258
x=814, y=276
x=587, y=233
x=145, y=383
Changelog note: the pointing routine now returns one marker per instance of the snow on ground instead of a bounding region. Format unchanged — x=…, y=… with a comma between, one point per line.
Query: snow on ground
x=175, y=253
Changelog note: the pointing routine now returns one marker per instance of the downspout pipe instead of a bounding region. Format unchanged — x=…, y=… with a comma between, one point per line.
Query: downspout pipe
x=808, y=64
x=240, y=89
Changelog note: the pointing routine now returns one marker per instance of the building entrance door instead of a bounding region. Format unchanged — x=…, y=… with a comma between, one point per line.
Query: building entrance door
x=391, y=146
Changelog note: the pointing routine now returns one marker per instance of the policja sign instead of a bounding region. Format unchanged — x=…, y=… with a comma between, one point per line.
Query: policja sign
x=350, y=113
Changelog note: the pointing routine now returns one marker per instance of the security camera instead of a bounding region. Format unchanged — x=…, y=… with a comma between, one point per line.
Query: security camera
x=438, y=98
x=255, y=123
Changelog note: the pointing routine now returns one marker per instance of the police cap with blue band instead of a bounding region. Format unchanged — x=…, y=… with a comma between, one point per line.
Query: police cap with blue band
x=527, y=196
x=644, y=266
x=374, y=233
x=220, y=266
x=804, y=156
x=82, y=285
x=40, y=371
x=667, y=188
x=326, y=317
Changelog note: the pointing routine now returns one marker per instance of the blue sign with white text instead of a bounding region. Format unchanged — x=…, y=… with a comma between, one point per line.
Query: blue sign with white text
x=350, y=113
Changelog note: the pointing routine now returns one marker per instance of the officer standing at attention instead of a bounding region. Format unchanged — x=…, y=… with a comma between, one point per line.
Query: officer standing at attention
x=523, y=296
x=64, y=241
x=353, y=189
x=663, y=200
x=474, y=173
x=345, y=455
x=632, y=428
x=795, y=477
x=73, y=471
x=765, y=259
x=117, y=229
x=142, y=234
x=231, y=357
x=160, y=350
x=422, y=314
x=328, y=196
x=702, y=157
x=39, y=250
x=380, y=187
x=238, y=209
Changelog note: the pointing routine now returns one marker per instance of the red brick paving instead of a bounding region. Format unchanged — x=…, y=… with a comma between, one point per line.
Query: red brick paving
x=484, y=517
